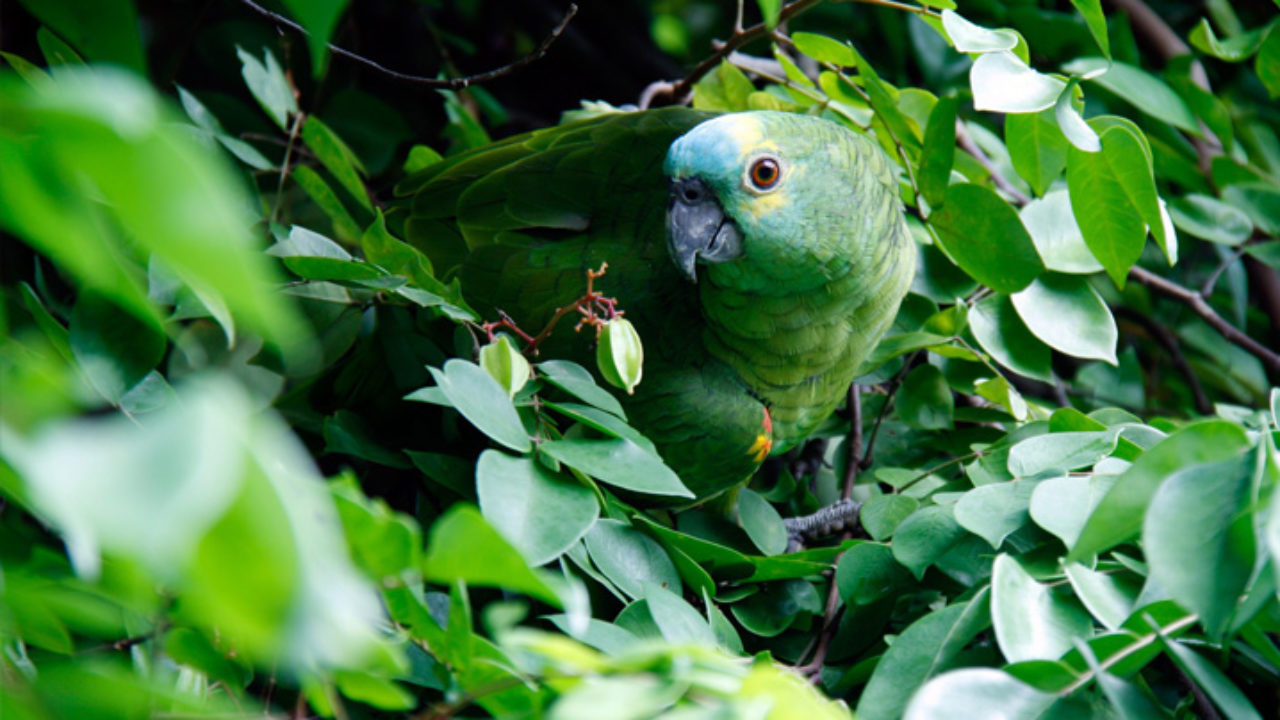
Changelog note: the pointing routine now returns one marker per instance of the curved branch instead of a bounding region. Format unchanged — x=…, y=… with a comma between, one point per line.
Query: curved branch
x=458, y=83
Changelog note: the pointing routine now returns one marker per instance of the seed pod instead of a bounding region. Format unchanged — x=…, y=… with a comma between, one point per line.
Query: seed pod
x=502, y=361
x=620, y=356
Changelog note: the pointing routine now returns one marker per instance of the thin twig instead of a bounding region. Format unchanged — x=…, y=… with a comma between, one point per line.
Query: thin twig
x=1209, y=283
x=966, y=143
x=284, y=164
x=680, y=89
x=853, y=452
x=1196, y=302
x=457, y=83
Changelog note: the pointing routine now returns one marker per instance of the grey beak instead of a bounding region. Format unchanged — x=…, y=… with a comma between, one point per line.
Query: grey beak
x=698, y=229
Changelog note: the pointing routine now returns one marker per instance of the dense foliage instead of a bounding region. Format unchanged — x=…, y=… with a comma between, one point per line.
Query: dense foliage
x=257, y=454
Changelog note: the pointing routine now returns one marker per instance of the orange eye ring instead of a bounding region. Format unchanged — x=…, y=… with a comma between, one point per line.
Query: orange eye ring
x=765, y=173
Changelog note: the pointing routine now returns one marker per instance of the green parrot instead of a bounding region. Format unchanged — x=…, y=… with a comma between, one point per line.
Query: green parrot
x=760, y=255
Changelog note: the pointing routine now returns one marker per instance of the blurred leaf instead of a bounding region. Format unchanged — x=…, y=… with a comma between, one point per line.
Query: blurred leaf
x=114, y=349
x=269, y=86
x=1233, y=703
x=679, y=622
x=1267, y=62
x=769, y=9
x=1260, y=201
x=925, y=648
x=982, y=233
x=489, y=560
x=1233, y=49
x=618, y=462
x=539, y=512
x=824, y=49
x=344, y=226
x=761, y=522
x=57, y=53
x=1069, y=316
x=1105, y=595
x=1214, y=499
x=104, y=31
x=1211, y=219
x=979, y=692
x=1144, y=91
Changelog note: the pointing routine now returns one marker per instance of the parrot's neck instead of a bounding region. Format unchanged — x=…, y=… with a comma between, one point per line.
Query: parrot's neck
x=798, y=350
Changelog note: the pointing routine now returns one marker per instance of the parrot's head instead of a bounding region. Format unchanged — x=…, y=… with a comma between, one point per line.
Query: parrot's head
x=761, y=196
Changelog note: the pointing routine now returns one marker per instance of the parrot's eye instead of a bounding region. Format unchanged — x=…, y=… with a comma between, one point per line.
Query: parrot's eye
x=764, y=173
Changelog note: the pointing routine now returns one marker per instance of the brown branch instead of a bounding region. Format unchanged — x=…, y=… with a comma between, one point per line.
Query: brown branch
x=680, y=90
x=966, y=143
x=853, y=451
x=1196, y=302
x=457, y=83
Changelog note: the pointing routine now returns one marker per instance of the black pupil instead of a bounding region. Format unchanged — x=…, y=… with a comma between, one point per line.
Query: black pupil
x=766, y=171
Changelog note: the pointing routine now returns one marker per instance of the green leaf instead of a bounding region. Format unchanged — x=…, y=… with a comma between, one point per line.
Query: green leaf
x=1112, y=197
x=967, y=37
x=1067, y=111
x=114, y=349
x=867, y=572
x=337, y=158
x=938, y=151
x=1119, y=516
x=1267, y=62
x=505, y=364
x=1096, y=21
x=105, y=31
x=1260, y=201
x=1069, y=316
x=489, y=560
x=1032, y=622
x=1211, y=219
x=319, y=18
x=982, y=233
x=57, y=53
x=928, y=646
x=925, y=400
x=1106, y=596
x=924, y=537
x=979, y=692
x=269, y=86
x=1000, y=332
x=995, y=511
x=539, y=512
x=1060, y=451
x=344, y=226
x=824, y=49
x=761, y=522
x=1002, y=82
x=725, y=89
x=1037, y=148
x=769, y=10
x=881, y=515
x=1233, y=49
x=1056, y=235
x=1063, y=505
x=1215, y=500
x=1139, y=88
x=679, y=622
x=576, y=381
x=630, y=559
x=1001, y=392
x=483, y=402
x=618, y=462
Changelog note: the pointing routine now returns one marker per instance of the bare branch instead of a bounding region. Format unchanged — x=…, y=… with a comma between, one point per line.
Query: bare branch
x=1166, y=338
x=966, y=143
x=457, y=83
x=1196, y=302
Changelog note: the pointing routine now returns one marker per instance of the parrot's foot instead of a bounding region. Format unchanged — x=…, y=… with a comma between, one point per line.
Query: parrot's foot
x=835, y=518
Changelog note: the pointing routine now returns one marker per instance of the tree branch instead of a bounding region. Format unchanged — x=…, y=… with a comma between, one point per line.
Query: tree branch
x=1196, y=302
x=1166, y=338
x=457, y=83
x=966, y=143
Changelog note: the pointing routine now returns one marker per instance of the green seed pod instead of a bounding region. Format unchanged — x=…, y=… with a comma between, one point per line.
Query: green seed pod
x=502, y=361
x=620, y=356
